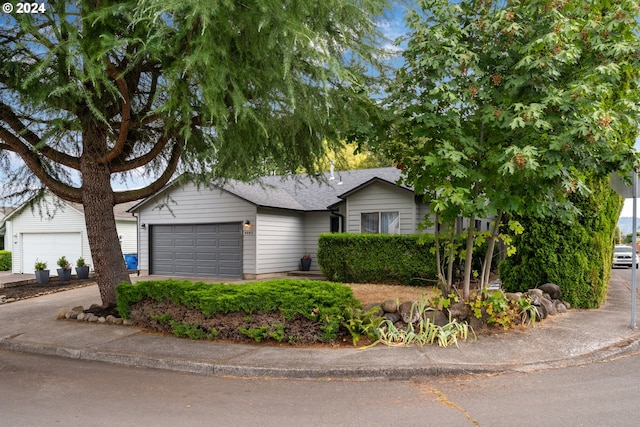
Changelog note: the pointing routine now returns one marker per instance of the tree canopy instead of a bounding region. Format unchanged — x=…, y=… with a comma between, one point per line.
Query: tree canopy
x=97, y=91
x=506, y=107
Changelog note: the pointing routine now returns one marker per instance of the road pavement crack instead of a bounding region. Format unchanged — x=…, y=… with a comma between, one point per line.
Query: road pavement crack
x=442, y=398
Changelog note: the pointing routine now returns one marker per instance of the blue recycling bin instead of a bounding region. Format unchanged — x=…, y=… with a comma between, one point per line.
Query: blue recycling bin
x=132, y=261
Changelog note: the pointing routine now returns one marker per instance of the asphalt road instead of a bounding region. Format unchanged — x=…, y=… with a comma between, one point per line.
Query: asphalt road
x=44, y=391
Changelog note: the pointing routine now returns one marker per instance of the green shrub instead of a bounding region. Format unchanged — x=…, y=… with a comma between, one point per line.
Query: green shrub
x=322, y=302
x=377, y=258
x=577, y=256
x=5, y=260
x=384, y=258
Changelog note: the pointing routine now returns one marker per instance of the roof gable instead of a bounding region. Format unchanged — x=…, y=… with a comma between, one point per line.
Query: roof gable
x=121, y=211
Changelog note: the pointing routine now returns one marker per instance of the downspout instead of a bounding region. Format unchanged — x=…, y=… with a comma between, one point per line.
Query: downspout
x=138, y=240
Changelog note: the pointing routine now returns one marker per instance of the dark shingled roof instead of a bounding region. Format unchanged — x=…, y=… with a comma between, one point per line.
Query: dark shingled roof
x=299, y=192
x=305, y=193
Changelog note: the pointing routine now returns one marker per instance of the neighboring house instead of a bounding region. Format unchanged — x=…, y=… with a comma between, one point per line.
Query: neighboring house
x=256, y=230
x=5, y=231
x=57, y=228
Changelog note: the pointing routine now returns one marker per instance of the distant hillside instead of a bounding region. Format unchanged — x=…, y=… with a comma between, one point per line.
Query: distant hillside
x=625, y=224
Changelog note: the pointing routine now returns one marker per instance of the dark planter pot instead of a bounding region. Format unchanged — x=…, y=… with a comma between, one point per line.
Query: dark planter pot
x=64, y=275
x=82, y=272
x=305, y=263
x=42, y=277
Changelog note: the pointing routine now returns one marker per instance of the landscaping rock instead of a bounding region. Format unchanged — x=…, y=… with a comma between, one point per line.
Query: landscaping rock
x=390, y=306
x=560, y=307
x=549, y=306
x=437, y=317
x=393, y=317
x=513, y=296
x=552, y=289
x=458, y=311
x=477, y=324
x=408, y=311
x=535, y=292
x=542, y=311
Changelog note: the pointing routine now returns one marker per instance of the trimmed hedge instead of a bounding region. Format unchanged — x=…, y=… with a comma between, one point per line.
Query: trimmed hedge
x=377, y=258
x=384, y=258
x=323, y=302
x=576, y=257
x=5, y=260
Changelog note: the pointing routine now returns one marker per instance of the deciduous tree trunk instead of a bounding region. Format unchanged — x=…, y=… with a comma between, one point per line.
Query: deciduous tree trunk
x=469, y=258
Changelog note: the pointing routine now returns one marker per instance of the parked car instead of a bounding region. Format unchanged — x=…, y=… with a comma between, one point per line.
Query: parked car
x=622, y=256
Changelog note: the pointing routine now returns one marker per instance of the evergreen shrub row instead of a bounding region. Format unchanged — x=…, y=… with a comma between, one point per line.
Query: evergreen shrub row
x=377, y=258
x=5, y=260
x=324, y=302
x=385, y=258
x=575, y=256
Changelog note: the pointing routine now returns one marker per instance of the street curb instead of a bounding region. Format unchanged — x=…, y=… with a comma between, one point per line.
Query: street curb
x=380, y=373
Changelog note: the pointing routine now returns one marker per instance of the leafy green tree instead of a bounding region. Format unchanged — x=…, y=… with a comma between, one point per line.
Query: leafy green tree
x=505, y=107
x=93, y=92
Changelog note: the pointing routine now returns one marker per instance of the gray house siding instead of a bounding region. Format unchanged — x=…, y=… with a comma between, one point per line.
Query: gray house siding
x=278, y=243
x=190, y=205
x=379, y=197
x=422, y=211
x=315, y=223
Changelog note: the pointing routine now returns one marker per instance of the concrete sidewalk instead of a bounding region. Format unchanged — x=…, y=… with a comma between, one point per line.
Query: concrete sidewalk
x=574, y=338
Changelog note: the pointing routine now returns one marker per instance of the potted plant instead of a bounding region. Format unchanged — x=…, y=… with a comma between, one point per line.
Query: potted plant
x=305, y=262
x=42, y=274
x=82, y=269
x=64, y=272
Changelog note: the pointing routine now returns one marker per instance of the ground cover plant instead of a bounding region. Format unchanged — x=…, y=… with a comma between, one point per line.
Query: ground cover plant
x=307, y=312
x=288, y=310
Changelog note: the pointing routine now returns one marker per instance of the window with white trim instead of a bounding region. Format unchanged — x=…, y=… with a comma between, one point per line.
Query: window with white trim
x=380, y=222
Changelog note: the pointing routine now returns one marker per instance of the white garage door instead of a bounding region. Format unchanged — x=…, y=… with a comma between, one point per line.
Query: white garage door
x=48, y=247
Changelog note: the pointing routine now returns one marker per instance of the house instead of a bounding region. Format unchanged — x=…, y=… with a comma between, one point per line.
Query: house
x=55, y=228
x=261, y=229
x=5, y=232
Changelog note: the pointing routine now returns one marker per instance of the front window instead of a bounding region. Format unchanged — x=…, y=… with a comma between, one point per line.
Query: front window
x=380, y=222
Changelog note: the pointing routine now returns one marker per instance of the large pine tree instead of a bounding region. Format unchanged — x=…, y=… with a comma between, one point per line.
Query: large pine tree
x=97, y=91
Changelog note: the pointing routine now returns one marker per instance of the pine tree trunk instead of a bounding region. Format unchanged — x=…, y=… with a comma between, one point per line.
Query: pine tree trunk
x=98, y=202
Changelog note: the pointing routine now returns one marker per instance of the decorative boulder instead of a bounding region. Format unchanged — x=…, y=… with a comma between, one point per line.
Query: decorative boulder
x=409, y=312
x=535, y=292
x=459, y=311
x=560, y=306
x=549, y=306
x=552, y=289
x=390, y=306
x=513, y=296
x=392, y=317
x=436, y=317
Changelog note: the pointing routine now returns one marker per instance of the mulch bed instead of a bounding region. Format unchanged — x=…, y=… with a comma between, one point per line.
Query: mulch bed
x=36, y=290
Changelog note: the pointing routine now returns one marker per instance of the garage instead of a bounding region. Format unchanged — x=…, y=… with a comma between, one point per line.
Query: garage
x=207, y=250
x=49, y=247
